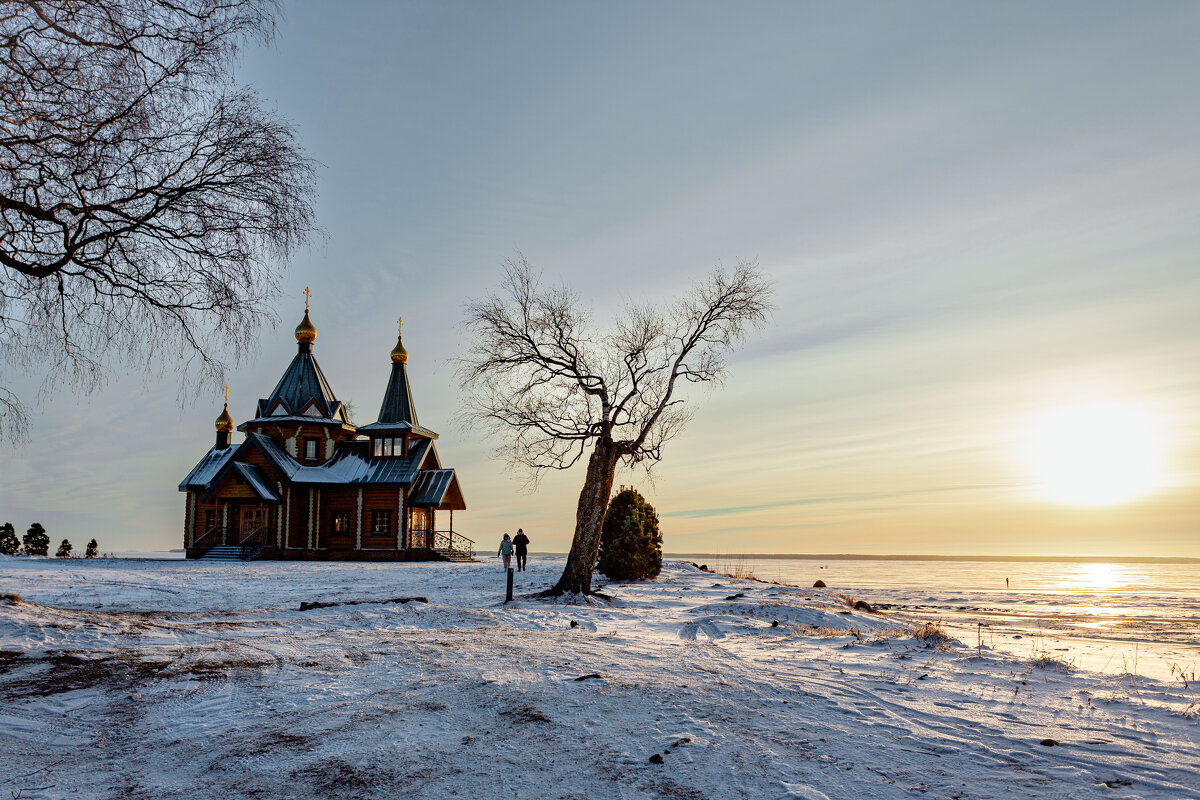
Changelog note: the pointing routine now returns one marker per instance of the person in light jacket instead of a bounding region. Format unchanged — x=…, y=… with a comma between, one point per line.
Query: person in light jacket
x=505, y=551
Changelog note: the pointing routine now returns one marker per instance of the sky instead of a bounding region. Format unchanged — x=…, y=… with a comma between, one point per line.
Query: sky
x=976, y=217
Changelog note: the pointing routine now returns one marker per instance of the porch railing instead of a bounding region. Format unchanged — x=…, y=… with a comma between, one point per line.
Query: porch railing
x=211, y=537
x=453, y=541
x=256, y=540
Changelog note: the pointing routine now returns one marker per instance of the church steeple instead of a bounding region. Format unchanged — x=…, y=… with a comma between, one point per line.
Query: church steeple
x=399, y=354
x=398, y=403
x=224, y=424
x=303, y=390
x=306, y=332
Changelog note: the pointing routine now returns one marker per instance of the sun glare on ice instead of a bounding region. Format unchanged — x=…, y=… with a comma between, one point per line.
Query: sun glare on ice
x=1096, y=455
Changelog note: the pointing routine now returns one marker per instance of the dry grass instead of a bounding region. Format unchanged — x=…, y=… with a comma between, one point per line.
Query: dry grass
x=1045, y=660
x=931, y=634
x=734, y=567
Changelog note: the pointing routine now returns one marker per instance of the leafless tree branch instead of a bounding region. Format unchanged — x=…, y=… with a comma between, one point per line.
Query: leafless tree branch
x=146, y=200
x=541, y=382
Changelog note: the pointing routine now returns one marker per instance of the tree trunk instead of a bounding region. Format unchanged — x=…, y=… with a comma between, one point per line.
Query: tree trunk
x=589, y=518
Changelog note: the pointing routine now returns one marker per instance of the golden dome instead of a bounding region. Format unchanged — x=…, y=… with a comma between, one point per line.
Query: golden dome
x=306, y=332
x=225, y=422
x=399, y=354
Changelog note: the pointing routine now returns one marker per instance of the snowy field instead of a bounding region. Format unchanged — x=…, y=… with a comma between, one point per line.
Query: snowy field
x=162, y=679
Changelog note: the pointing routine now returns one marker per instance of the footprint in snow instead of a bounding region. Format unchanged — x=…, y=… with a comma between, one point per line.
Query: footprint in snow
x=690, y=630
x=795, y=790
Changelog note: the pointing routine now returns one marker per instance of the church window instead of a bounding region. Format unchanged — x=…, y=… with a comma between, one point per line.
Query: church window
x=310, y=449
x=381, y=522
x=340, y=523
x=210, y=520
x=386, y=448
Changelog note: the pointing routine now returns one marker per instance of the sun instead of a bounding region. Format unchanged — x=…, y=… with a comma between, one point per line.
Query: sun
x=1099, y=454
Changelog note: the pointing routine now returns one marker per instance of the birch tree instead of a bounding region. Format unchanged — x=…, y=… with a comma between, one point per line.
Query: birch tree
x=146, y=199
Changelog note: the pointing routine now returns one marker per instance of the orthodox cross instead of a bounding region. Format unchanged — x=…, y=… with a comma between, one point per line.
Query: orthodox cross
x=227, y=394
x=307, y=294
x=399, y=324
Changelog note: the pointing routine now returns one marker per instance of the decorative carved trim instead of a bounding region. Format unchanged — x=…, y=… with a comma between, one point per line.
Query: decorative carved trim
x=358, y=533
x=310, y=518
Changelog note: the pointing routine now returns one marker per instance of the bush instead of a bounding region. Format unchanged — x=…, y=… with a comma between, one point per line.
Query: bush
x=630, y=544
x=64, y=550
x=36, y=541
x=90, y=552
x=9, y=543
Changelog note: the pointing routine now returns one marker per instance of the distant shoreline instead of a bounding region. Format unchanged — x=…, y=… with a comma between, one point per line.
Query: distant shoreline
x=925, y=557
x=171, y=555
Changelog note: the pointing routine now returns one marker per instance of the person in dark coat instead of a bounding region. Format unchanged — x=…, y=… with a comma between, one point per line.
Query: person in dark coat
x=521, y=546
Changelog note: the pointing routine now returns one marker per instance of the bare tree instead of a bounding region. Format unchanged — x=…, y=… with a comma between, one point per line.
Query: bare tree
x=145, y=198
x=538, y=377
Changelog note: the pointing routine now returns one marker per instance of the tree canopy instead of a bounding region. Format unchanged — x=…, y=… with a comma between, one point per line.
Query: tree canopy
x=146, y=200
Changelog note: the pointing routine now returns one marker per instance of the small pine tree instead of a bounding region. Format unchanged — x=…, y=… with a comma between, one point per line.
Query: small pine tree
x=64, y=550
x=36, y=541
x=630, y=544
x=90, y=552
x=9, y=543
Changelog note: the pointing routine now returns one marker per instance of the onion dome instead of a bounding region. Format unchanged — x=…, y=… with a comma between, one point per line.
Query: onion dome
x=225, y=422
x=399, y=354
x=306, y=332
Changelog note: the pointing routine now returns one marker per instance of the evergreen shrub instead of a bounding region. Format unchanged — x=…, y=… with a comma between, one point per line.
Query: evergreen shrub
x=630, y=544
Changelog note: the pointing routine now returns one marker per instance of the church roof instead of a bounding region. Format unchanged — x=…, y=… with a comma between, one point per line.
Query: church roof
x=303, y=392
x=430, y=487
x=257, y=481
x=398, y=413
x=351, y=465
x=208, y=467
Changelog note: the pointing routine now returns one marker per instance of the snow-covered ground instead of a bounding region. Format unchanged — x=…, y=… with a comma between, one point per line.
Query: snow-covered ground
x=160, y=679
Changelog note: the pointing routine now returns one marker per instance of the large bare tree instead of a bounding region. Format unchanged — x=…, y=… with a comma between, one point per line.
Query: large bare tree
x=146, y=200
x=554, y=391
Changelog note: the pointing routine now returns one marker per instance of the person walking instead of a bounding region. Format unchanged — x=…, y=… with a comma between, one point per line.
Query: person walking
x=505, y=551
x=521, y=546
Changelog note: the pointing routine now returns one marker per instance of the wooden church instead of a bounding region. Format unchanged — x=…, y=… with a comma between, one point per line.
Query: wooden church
x=306, y=483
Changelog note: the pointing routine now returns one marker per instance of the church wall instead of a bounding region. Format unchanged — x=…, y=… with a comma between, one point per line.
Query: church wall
x=384, y=500
x=298, y=517
x=338, y=500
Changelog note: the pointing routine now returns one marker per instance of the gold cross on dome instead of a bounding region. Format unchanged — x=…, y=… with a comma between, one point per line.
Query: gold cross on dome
x=227, y=394
x=307, y=295
x=399, y=324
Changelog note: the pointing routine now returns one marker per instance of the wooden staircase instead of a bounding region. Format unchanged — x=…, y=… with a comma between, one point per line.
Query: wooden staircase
x=224, y=552
x=452, y=546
